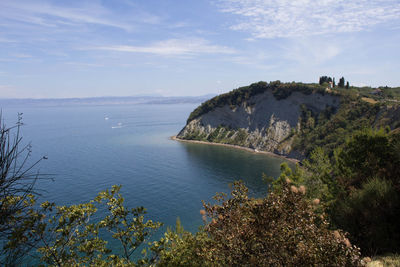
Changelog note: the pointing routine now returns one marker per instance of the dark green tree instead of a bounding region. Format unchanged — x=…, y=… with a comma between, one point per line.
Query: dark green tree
x=368, y=203
x=324, y=79
x=369, y=153
x=341, y=82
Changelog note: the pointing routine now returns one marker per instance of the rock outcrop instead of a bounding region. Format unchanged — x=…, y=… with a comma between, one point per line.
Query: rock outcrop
x=261, y=122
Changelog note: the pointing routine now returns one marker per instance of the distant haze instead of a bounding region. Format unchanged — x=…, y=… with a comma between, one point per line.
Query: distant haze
x=112, y=100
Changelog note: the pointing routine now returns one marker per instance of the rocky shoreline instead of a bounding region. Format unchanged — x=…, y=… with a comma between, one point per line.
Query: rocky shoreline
x=237, y=147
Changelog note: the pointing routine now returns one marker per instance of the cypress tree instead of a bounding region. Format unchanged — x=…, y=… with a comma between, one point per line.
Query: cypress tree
x=341, y=82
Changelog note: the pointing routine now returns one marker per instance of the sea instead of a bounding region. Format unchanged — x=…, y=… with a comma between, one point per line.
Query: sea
x=89, y=148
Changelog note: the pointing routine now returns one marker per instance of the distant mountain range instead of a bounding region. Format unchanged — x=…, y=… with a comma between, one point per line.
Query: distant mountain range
x=111, y=100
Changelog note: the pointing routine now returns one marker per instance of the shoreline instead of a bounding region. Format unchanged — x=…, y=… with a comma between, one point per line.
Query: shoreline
x=175, y=138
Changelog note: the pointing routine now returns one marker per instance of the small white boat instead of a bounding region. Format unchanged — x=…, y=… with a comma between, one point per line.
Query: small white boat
x=119, y=125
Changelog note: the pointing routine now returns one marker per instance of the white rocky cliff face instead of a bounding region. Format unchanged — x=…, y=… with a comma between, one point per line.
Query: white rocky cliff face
x=262, y=122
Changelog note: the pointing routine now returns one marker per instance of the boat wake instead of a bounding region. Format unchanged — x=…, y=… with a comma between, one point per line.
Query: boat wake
x=119, y=125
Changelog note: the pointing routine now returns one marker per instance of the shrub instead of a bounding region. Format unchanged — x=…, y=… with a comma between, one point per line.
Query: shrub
x=369, y=153
x=182, y=248
x=371, y=216
x=278, y=230
x=18, y=177
x=66, y=236
x=360, y=188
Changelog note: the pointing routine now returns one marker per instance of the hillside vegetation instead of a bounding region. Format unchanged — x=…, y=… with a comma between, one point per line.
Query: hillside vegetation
x=283, y=90
x=359, y=108
x=238, y=96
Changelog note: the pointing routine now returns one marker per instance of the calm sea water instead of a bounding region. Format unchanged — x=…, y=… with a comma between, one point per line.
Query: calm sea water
x=88, y=153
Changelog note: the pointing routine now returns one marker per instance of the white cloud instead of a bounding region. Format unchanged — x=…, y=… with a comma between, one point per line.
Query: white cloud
x=292, y=18
x=45, y=14
x=172, y=47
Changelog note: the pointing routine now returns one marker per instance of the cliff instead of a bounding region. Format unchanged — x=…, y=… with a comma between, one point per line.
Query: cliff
x=264, y=117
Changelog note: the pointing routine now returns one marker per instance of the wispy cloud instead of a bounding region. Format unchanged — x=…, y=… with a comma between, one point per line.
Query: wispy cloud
x=308, y=51
x=23, y=56
x=6, y=40
x=83, y=64
x=292, y=18
x=49, y=15
x=172, y=47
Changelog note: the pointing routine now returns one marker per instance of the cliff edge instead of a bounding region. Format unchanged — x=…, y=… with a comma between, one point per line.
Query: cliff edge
x=262, y=116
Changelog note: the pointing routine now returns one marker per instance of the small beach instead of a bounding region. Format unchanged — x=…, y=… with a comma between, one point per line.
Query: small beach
x=237, y=147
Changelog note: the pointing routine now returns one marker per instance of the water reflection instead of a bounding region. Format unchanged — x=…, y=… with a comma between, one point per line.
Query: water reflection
x=229, y=164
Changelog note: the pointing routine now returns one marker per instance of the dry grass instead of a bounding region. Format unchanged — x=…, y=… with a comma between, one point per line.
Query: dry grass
x=385, y=261
x=369, y=100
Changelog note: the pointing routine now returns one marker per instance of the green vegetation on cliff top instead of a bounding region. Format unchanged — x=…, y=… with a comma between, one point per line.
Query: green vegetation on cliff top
x=241, y=94
x=283, y=90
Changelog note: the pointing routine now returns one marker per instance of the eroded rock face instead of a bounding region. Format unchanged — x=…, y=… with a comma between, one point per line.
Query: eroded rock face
x=262, y=122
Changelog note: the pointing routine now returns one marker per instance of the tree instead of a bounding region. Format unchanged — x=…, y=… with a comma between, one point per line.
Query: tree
x=368, y=203
x=347, y=85
x=324, y=79
x=66, y=236
x=369, y=153
x=371, y=215
x=341, y=82
x=334, y=83
x=17, y=183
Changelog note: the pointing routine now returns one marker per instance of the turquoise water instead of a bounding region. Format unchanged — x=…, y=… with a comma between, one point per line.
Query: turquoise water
x=88, y=153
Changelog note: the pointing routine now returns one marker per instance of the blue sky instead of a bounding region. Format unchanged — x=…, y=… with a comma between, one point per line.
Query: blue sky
x=192, y=47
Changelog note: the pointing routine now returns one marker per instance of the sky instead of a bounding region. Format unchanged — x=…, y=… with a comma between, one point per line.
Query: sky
x=82, y=48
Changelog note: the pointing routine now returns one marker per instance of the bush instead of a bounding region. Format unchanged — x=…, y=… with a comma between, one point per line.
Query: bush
x=360, y=187
x=66, y=236
x=371, y=215
x=278, y=230
x=369, y=153
x=17, y=187
x=182, y=248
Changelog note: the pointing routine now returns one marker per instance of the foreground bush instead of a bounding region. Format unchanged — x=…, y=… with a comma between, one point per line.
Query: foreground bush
x=18, y=177
x=368, y=202
x=66, y=235
x=279, y=230
x=371, y=215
